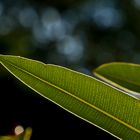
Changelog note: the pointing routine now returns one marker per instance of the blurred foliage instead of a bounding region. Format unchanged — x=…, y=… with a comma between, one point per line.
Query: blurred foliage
x=26, y=135
x=80, y=34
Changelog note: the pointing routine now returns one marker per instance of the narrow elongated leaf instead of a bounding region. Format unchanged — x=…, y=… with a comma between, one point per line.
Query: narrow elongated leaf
x=86, y=97
x=122, y=75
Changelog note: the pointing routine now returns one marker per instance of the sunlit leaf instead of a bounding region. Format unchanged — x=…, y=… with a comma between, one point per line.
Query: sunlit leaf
x=96, y=102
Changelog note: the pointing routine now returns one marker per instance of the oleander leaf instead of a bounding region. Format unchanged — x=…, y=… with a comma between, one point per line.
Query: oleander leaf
x=125, y=76
x=92, y=100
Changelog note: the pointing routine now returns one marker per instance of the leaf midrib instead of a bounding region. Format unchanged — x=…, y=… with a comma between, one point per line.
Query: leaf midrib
x=76, y=97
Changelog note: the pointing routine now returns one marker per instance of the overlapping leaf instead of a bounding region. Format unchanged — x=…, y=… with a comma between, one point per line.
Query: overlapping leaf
x=125, y=76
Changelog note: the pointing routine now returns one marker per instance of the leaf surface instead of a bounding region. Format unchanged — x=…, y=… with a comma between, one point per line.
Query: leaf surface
x=92, y=100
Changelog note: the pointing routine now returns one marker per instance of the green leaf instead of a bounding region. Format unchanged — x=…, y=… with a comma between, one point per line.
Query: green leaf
x=92, y=100
x=125, y=76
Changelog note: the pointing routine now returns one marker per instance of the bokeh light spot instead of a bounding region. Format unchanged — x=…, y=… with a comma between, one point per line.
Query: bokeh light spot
x=19, y=129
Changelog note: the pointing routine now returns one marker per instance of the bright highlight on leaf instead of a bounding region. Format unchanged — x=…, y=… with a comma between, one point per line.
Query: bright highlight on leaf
x=98, y=103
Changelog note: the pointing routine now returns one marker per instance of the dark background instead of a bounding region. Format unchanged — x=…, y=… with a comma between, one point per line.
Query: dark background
x=80, y=35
